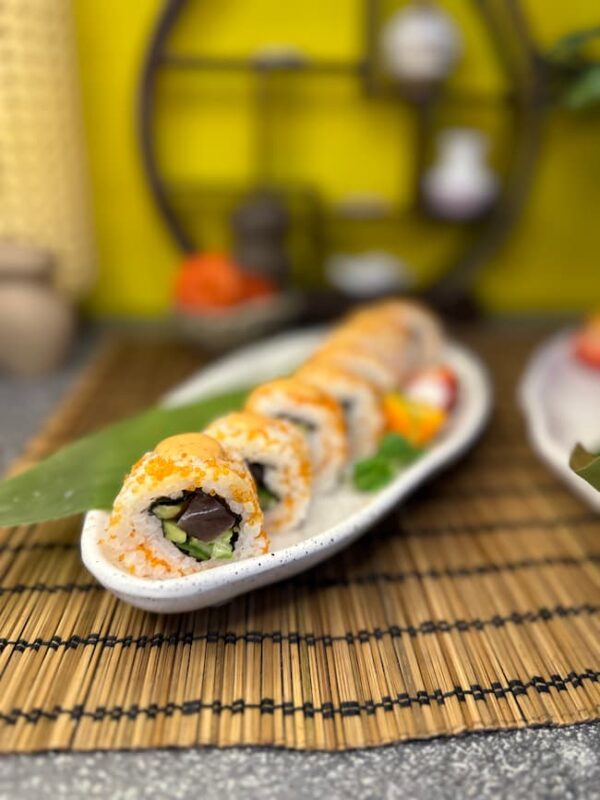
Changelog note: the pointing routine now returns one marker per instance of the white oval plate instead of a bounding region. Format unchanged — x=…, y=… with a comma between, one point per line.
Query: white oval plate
x=335, y=520
x=560, y=398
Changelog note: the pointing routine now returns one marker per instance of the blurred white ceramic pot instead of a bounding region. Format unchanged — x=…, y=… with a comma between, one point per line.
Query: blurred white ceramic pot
x=36, y=322
x=420, y=44
x=460, y=185
x=368, y=274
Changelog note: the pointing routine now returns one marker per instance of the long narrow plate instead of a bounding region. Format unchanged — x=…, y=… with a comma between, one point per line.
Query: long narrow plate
x=335, y=520
x=561, y=401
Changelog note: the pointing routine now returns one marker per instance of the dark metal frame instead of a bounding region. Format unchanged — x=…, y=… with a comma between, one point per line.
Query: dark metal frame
x=523, y=66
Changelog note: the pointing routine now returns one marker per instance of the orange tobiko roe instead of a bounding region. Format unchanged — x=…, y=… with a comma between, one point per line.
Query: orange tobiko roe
x=214, y=281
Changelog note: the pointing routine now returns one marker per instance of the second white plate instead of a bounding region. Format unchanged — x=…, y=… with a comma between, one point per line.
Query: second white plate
x=335, y=520
x=561, y=400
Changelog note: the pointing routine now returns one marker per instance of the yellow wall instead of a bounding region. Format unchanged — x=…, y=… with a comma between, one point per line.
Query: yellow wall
x=551, y=260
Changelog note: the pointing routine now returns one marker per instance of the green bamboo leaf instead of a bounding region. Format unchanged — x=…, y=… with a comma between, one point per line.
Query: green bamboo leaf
x=586, y=465
x=88, y=473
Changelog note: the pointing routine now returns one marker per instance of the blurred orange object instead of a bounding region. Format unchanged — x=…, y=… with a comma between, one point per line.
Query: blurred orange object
x=587, y=342
x=418, y=422
x=212, y=281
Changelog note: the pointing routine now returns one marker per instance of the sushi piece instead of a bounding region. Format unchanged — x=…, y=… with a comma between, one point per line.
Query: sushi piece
x=185, y=506
x=356, y=359
x=414, y=324
x=360, y=402
x=384, y=343
x=277, y=455
x=389, y=348
x=317, y=414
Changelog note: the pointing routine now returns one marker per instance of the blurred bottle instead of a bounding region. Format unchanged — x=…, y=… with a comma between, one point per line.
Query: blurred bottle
x=460, y=185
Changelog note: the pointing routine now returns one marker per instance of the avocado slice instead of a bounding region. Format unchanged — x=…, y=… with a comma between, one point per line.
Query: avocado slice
x=167, y=511
x=173, y=533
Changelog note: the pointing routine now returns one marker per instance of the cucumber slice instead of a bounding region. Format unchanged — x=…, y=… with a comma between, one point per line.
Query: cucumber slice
x=222, y=550
x=173, y=533
x=200, y=550
x=167, y=511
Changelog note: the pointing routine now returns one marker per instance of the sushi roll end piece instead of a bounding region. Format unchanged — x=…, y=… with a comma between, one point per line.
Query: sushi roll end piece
x=185, y=506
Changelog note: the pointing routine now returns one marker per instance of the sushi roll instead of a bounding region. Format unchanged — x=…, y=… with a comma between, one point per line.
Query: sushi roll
x=357, y=359
x=317, y=414
x=360, y=402
x=389, y=348
x=399, y=336
x=411, y=322
x=277, y=455
x=185, y=506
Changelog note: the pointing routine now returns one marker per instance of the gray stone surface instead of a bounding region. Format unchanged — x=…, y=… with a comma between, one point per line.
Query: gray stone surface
x=559, y=763
x=529, y=764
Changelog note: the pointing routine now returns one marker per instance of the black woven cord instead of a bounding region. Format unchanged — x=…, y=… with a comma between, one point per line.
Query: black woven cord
x=317, y=581
x=348, y=708
x=294, y=637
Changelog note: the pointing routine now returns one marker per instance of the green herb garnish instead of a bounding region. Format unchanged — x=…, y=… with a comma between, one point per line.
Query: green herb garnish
x=398, y=449
x=374, y=473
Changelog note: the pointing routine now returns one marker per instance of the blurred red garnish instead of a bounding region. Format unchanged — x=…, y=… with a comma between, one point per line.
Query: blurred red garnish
x=435, y=386
x=587, y=343
x=214, y=281
x=257, y=286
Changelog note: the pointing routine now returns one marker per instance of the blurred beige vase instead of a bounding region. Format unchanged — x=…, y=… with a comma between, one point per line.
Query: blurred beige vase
x=36, y=322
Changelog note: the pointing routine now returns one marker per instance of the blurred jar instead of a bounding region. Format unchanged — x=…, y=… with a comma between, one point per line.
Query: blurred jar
x=36, y=322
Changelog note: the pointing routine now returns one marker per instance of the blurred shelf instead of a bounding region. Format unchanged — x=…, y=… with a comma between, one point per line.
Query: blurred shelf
x=262, y=63
x=189, y=196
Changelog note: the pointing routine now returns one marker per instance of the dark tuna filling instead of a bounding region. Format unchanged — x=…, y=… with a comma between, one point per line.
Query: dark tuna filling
x=199, y=524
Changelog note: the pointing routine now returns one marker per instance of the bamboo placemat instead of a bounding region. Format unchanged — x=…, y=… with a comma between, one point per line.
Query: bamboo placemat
x=472, y=608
